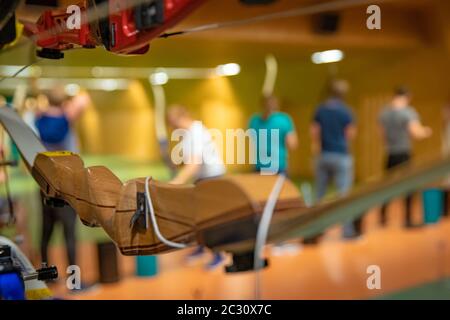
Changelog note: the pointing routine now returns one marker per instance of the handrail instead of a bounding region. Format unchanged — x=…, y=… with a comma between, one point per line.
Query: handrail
x=404, y=180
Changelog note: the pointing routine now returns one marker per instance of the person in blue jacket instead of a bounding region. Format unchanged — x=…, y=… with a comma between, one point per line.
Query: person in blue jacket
x=54, y=126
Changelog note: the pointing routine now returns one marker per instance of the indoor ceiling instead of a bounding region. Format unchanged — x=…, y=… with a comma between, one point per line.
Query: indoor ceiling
x=397, y=31
x=406, y=25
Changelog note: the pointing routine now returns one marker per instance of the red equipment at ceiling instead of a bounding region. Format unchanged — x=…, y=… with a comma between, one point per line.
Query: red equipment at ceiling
x=127, y=28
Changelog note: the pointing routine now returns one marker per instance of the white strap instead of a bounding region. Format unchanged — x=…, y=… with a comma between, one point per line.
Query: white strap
x=263, y=228
x=266, y=218
x=151, y=210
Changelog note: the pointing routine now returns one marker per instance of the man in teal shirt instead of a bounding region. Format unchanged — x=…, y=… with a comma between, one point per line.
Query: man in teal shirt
x=275, y=136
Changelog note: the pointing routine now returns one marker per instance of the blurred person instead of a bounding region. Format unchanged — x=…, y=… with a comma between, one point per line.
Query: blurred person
x=6, y=216
x=12, y=210
x=272, y=119
x=54, y=125
x=332, y=130
x=29, y=111
x=55, y=122
x=13, y=213
x=2, y=101
x=200, y=157
x=446, y=152
x=265, y=124
x=400, y=124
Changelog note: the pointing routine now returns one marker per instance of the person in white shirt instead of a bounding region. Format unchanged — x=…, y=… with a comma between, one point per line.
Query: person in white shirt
x=198, y=155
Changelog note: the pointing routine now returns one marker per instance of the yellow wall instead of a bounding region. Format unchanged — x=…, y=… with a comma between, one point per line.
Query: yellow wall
x=120, y=122
x=426, y=73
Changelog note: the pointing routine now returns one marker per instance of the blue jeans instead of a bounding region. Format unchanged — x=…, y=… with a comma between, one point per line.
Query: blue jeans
x=334, y=167
x=337, y=168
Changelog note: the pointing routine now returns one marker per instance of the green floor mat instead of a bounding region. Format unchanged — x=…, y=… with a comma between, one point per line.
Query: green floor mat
x=438, y=290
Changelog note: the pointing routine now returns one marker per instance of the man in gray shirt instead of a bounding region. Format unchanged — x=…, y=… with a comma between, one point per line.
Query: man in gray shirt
x=400, y=124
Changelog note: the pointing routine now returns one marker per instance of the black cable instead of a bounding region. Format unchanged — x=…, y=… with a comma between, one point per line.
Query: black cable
x=20, y=70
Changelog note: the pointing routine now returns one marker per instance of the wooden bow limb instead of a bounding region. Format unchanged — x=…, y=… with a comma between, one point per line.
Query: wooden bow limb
x=102, y=200
x=221, y=213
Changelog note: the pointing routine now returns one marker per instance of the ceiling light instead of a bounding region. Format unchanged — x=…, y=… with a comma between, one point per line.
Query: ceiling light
x=229, y=69
x=329, y=56
x=109, y=85
x=159, y=78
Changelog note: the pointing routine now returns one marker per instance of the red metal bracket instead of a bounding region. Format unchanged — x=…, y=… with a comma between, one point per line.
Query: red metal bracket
x=120, y=33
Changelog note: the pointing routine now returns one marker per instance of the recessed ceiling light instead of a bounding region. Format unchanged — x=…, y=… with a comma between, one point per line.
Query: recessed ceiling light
x=328, y=56
x=229, y=69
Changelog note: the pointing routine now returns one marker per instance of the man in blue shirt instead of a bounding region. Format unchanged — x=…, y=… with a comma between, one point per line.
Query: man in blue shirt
x=332, y=129
x=275, y=136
